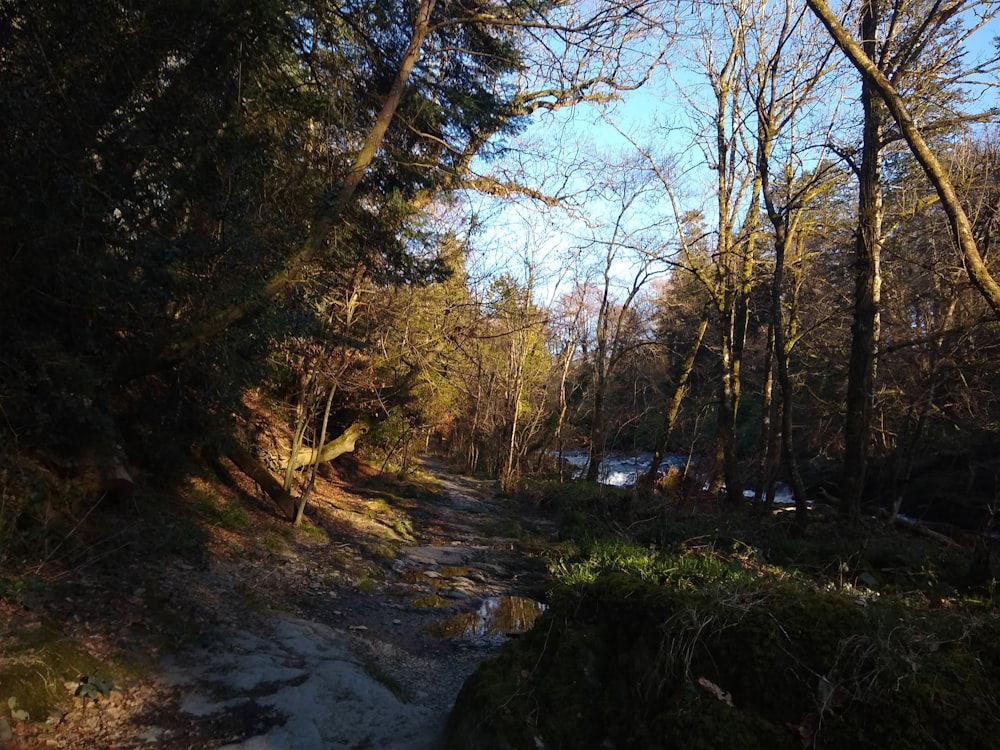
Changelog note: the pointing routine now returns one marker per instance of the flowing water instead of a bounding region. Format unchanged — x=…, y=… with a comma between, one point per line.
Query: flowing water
x=623, y=469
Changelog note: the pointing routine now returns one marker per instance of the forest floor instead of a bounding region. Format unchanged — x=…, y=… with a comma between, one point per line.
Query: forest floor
x=218, y=624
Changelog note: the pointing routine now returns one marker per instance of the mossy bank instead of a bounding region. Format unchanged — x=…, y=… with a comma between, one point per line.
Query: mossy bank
x=706, y=644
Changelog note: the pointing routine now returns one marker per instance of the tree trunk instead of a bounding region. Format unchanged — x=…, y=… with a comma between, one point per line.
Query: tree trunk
x=300, y=425
x=598, y=428
x=250, y=466
x=597, y=435
x=867, y=294
x=343, y=443
x=766, y=469
x=301, y=509
x=781, y=350
x=563, y=404
x=726, y=423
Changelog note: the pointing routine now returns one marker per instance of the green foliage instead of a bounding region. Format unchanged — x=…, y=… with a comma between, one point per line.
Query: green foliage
x=386, y=443
x=313, y=531
x=385, y=677
x=227, y=513
x=138, y=207
x=589, y=510
x=94, y=687
x=695, y=565
x=40, y=510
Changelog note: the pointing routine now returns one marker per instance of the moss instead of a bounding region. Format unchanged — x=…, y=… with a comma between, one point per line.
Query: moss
x=313, y=531
x=404, y=528
x=40, y=669
x=273, y=542
x=507, y=528
x=367, y=583
x=377, y=507
x=430, y=601
x=384, y=677
x=625, y=662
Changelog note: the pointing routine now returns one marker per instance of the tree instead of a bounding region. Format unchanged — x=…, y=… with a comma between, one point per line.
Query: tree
x=626, y=247
x=719, y=59
x=916, y=48
x=874, y=77
x=785, y=82
x=502, y=365
x=932, y=400
x=566, y=331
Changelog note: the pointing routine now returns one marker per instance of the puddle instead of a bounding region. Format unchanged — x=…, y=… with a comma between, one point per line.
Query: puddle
x=497, y=616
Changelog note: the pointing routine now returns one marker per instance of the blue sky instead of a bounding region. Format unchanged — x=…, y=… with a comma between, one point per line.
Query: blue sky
x=564, y=151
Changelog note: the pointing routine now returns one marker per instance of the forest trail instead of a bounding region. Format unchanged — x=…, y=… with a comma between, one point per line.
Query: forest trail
x=298, y=655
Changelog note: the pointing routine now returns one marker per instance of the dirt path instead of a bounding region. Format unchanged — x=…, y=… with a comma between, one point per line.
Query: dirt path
x=334, y=644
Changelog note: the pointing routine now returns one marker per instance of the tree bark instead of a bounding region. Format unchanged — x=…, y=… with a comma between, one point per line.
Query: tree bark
x=300, y=510
x=250, y=466
x=674, y=407
x=865, y=330
x=781, y=349
x=245, y=462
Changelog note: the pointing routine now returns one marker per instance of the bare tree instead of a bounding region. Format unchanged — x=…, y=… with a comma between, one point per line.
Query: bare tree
x=787, y=81
x=625, y=245
x=719, y=62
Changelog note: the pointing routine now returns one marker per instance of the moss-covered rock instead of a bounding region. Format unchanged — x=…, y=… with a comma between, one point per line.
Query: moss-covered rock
x=629, y=663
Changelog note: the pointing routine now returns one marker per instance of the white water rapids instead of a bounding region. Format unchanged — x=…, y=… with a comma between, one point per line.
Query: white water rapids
x=622, y=470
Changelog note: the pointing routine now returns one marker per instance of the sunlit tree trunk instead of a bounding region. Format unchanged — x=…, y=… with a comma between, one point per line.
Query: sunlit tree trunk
x=567, y=361
x=782, y=350
x=788, y=70
x=766, y=469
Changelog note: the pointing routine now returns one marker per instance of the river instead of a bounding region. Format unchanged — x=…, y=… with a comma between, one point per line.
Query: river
x=622, y=470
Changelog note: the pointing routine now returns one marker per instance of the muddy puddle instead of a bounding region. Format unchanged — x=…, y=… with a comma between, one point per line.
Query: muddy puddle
x=497, y=616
